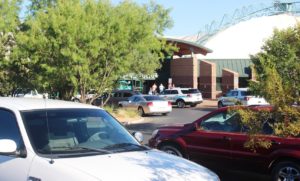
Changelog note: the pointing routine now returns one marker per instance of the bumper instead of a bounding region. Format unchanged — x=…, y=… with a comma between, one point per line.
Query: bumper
x=189, y=102
x=193, y=102
x=153, y=143
x=158, y=110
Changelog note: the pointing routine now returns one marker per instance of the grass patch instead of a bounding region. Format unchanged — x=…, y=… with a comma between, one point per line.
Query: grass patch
x=123, y=115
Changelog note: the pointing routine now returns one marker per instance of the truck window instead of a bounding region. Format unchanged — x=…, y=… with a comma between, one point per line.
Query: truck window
x=245, y=93
x=8, y=127
x=127, y=94
x=235, y=93
x=174, y=92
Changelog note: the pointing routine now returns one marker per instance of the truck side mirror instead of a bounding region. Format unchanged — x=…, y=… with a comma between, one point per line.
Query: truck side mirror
x=138, y=136
x=196, y=126
x=8, y=147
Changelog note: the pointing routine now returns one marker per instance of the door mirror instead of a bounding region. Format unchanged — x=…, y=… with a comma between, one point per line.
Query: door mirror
x=138, y=136
x=7, y=147
x=196, y=126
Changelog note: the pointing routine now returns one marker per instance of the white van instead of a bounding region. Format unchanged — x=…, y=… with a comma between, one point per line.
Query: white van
x=50, y=140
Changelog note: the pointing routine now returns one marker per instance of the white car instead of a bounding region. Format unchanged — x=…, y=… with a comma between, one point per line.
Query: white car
x=89, y=95
x=28, y=93
x=147, y=104
x=182, y=96
x=49, y=140
x=240, y=96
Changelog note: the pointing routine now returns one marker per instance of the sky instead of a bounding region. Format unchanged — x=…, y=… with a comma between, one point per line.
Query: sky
x=191, y=16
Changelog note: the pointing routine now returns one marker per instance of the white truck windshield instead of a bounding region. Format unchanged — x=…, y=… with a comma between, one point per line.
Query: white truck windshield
x=76, y=131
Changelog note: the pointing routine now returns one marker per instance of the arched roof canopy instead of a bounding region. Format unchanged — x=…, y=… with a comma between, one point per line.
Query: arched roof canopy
x=187, y=47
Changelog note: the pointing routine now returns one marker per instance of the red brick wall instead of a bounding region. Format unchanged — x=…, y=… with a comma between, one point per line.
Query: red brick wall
x=207, y=79
x=230, y=80
x=184, y=72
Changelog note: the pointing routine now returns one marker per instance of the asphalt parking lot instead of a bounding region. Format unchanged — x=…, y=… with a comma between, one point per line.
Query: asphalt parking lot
x=178, y=116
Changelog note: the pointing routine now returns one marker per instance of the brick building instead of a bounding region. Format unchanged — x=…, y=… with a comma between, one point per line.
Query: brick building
x=223, y=61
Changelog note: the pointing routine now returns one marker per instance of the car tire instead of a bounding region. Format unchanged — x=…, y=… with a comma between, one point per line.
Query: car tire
x=286, y=170
x=193, y=105
x=164, y=114
x=141, y=112
x=120, y=106
x=180, y=104
x=172, y=149
x=220, y=104
x=76, y=100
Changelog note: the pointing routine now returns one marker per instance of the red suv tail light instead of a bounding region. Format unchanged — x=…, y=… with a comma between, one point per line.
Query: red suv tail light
x=149, y=103
x=169, y=103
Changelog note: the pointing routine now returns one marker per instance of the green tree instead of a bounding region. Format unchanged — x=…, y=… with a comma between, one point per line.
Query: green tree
x=82, y=45
x=9, y=23
x=277, y=69
x=9, y=20
x=36, y=5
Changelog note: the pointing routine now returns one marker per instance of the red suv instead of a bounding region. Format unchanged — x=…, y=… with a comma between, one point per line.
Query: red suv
x=217, y=139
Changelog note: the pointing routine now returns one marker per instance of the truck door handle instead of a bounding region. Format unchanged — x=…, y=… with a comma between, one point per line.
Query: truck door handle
x=33, y=179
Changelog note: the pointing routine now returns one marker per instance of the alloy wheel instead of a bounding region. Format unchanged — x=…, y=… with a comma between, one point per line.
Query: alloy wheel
x=170, y=149
x=286, y=171
x=288, y=174
x=180, y=104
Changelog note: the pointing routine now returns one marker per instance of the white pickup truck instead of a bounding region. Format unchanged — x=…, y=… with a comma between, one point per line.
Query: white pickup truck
x=49, y=140
x=240, y=96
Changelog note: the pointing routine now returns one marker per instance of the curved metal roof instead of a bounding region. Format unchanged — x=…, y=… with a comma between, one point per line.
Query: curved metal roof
x=246, y=38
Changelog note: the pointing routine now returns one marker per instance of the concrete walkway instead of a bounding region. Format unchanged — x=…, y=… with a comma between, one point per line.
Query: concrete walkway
x=208, y=103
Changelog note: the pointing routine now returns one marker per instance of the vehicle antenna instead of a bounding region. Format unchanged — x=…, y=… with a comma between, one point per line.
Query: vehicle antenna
x=48, y=129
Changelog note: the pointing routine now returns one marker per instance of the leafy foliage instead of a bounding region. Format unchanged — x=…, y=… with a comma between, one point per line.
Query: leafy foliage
x=74, y=45
x=36, y=5
x=277, y=69
x=254, y=122
x=9, y=23
x=9, y=20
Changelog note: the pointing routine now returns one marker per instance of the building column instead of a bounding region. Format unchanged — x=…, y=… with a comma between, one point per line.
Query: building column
x=230, y=80
x=207, y=79
x=184, y=72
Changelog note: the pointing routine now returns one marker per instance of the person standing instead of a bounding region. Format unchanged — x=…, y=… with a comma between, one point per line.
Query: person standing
x=150, y=91
x=154, y=87
x=161, y=88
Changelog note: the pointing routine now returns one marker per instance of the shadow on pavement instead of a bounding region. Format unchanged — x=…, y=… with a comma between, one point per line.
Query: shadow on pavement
x=153, y=115
x=227, y=175
x=208, y=109
x=143, y=127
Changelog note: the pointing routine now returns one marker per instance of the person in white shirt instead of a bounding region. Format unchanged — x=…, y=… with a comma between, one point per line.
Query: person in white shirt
x=161, y=88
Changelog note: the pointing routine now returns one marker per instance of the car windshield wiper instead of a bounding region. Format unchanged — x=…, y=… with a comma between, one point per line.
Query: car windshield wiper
x=92, y=149
x=126, y=146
